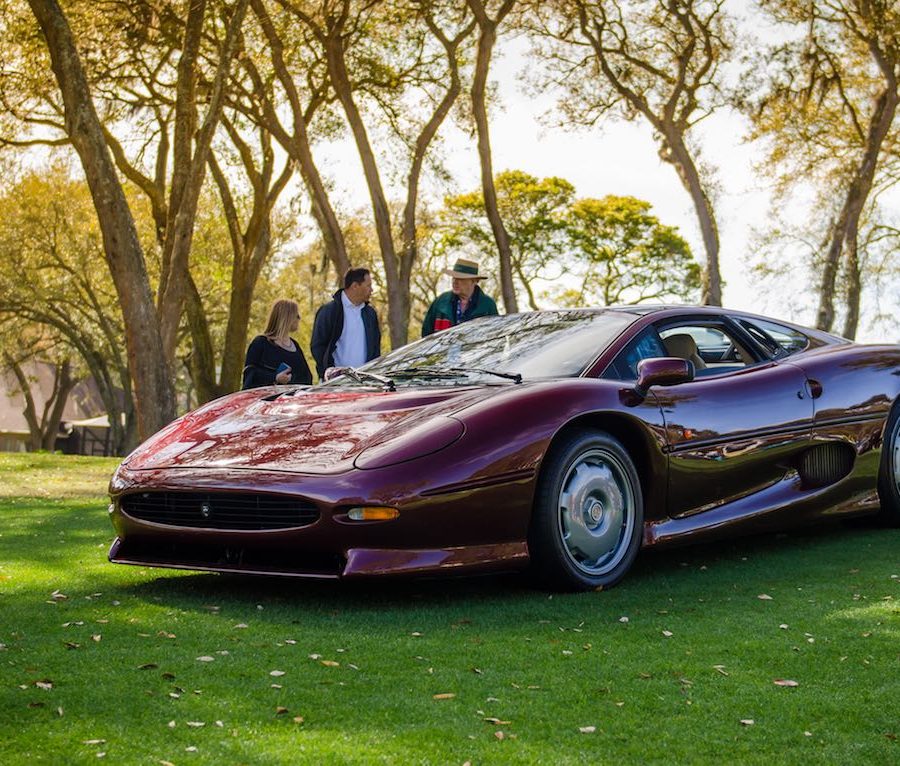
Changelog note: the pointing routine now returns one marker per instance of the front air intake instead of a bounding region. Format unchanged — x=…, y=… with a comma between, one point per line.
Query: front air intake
x=825, y=464
x=220, y=510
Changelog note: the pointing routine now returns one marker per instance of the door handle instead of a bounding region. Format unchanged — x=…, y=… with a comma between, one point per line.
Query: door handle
x=814, y=388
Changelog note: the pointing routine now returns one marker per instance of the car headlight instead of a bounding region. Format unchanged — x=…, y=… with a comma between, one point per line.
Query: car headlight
x=425, y=439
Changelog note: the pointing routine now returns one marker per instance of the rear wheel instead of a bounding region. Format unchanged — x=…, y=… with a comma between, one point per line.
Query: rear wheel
x=889, y=473
x=588, y=517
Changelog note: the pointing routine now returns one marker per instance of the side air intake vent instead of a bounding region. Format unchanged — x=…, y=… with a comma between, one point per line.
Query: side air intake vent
x=825, y=464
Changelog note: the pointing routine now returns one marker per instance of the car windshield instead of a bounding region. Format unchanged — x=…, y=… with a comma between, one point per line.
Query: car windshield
x=543, y=344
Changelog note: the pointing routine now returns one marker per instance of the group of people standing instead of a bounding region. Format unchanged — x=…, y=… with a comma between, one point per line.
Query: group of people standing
x=346, y=331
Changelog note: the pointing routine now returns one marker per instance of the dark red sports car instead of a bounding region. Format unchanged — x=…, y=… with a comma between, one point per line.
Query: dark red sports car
x=564, y=440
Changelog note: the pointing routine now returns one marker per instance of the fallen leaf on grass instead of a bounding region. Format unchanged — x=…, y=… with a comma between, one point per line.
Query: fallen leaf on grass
x=93, y=742
x=71, y=645
x=331, y=664
x=587, y=729
x=166, y=763
x=206, y=658
x=164, y=634
x=499, y=734
x=37, y=704
x=168, y=676
x=148, y=666
x=497, y=721
x=96, y=637
x=298, y=719
x=668, y=633
x=241, y=626
x=784, y=682
x=195, y=724
x=444, y=696
x=57, y=596
x=720, y=669
x=276, y=673
x=46, y=685
x=280, y=710
x=764, y=597
x=747, y=721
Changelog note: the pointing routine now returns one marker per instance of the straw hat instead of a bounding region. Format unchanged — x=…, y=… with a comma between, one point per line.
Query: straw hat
x=464, y=269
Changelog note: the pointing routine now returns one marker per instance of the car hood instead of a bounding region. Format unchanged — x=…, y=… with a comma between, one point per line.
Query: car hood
x=304, y=431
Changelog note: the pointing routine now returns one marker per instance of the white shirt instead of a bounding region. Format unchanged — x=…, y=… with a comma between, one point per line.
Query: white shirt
x=350, y=350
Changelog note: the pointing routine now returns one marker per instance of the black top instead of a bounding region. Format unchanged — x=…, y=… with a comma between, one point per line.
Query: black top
x=327, y=329
x=263, y=358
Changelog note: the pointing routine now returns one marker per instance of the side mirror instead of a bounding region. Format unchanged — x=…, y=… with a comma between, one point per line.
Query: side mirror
x=662, y=371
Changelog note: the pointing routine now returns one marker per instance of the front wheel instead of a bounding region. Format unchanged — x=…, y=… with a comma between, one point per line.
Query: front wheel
x=588, y=516
x=889, y=472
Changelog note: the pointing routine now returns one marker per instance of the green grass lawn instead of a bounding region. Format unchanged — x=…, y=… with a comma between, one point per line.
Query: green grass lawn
x=151, y=666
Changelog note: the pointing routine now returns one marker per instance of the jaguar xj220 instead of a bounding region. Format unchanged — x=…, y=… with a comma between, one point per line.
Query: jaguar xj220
x=563, y=441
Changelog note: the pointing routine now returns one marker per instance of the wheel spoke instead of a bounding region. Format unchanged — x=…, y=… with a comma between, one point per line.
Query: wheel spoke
x=596, y=511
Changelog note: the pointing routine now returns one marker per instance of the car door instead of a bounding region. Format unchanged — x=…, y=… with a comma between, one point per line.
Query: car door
x=734, y=429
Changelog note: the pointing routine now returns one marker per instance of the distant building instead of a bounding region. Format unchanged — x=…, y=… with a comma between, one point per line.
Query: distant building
x=84, y=428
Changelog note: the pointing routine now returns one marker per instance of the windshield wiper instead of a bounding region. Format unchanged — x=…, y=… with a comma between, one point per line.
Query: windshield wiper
x=514, y=376
x=423, y=372
x=361, y=376
x=451, y=372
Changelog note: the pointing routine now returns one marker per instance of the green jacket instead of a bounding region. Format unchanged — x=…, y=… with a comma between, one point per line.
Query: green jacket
x=444, y=308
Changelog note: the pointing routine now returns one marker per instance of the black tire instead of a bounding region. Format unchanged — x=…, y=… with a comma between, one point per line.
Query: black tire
x=588, y=517
x=889, y=472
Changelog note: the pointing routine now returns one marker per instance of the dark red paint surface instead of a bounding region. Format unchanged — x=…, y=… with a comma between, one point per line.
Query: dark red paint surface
x=715, y=455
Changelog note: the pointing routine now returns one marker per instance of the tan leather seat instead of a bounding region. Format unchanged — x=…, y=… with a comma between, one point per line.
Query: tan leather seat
x=684, y=346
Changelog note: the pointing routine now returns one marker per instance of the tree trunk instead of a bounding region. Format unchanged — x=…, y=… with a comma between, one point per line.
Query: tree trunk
x=202, y=360
x=42, y=432
x=180, y=232
x=298, y=148
x=340, y=80
x=854, y=283
x=676, y=153
x=409, y=249
x=63, y=383
x=479, y=93
x=240, y=301
x=855, y=199
x=153, y=389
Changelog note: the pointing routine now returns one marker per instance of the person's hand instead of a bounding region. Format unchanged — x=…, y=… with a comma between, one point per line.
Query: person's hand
x=333, y=372
x=283, y=377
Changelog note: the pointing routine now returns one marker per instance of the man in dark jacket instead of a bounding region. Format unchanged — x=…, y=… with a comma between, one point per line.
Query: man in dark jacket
x=345, y=331
x=464, y=302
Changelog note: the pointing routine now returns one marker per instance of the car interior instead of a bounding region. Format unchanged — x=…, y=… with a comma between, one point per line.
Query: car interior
x=713, y=347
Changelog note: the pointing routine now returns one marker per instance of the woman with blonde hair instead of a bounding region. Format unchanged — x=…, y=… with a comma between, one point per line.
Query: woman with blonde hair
x=275, y=357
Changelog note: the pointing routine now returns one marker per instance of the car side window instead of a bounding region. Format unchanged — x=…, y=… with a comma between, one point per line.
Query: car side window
x=778, y=339
x=712, y=347
x=647, y=345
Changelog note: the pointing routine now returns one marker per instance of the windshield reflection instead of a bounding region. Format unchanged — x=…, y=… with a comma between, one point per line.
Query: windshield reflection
x=545, y=344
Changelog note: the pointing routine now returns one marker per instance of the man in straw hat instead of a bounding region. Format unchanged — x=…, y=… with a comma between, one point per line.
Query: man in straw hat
x=463, y=302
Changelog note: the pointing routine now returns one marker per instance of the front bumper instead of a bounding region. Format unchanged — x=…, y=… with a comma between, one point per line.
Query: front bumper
x=470, y=526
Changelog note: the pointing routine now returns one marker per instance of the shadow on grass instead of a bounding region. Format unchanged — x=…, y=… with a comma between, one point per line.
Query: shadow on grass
x=758, y=558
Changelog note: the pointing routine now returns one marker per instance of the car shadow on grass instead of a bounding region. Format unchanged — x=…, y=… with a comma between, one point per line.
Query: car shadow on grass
x=754, y=561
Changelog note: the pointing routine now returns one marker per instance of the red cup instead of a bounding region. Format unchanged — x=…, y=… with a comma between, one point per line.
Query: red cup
x=441, y=323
